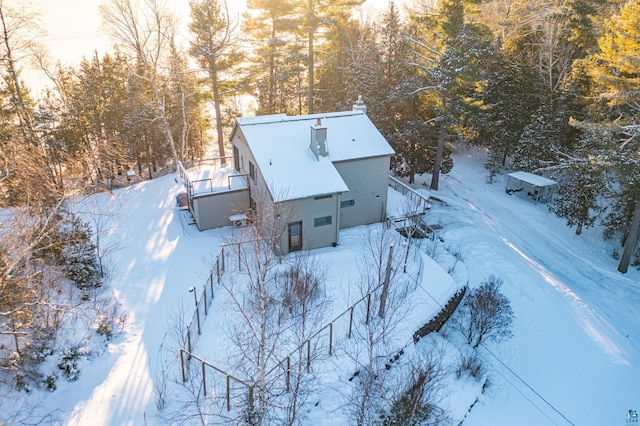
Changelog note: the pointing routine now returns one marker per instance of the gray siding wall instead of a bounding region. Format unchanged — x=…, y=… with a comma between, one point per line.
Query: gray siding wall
x=245, y=156
x=367, y=180
x=213, y=211
x=305, y=211
x=302, y=210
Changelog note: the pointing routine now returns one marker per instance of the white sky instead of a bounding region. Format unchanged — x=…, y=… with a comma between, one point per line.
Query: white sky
x=73, y=29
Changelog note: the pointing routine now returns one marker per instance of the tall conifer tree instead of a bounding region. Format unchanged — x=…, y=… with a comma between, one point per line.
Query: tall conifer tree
x=616, y=77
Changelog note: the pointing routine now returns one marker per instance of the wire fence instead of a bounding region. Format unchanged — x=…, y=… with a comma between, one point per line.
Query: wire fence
x=214, y=380
x=204, y=296
x=237, y=393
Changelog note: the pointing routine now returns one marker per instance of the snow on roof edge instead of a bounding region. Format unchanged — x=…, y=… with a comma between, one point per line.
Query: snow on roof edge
x=533, y=179
x=273, y=118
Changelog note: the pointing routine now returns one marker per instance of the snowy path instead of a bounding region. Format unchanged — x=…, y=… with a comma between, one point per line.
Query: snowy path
x=160, y=259
x=576, y=336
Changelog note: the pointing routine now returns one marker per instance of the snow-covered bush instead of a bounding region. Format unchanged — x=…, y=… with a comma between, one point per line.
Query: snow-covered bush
x=78, y=255
x=105, y=328
x=50, y=383
x=68, y=362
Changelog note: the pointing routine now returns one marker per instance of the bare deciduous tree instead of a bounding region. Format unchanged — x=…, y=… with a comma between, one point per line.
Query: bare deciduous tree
x=374, y=342
x=419, y=390
x=256, y=299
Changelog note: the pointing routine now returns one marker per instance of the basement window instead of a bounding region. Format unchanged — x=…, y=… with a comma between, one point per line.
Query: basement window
x=322, y=221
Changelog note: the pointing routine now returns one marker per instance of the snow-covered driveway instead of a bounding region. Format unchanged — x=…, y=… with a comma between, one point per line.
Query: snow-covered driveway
x=575, y=357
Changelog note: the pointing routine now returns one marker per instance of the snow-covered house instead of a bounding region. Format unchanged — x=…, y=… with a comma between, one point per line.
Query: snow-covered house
x=324, y=172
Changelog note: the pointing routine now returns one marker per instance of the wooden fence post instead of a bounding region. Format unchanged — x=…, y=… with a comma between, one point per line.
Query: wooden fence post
x=184, y=374
x=330, y=338
x=198, y=318
x=189, y=340
x=288, y=374
x=206, y=310
x=204, y=379
x=228, y=393
x=308, y=355
x=350, y=322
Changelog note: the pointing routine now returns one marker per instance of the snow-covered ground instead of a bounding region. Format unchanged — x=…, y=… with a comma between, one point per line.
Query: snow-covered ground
x=574, y=357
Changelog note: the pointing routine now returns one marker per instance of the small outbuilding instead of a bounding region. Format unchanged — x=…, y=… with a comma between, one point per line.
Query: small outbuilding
x=538, y=188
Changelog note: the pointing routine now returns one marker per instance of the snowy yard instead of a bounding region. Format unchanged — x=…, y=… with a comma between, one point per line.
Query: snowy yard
x=574, y=357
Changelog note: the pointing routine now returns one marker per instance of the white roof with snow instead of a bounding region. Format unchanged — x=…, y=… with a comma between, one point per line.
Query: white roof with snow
x=532, y=179
x=280, y=145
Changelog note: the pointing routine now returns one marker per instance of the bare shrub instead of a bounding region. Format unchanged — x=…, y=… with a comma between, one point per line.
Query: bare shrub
x=470, y=365
x=457, y=257
x=485, y=314
x=413, y=406
x=421, y=387
x=375, y=339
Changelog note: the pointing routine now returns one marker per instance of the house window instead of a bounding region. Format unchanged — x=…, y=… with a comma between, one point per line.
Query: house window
x=322, y=221
x=236, y=158
x=347, y=203
x=252, y=171
x=322, y=197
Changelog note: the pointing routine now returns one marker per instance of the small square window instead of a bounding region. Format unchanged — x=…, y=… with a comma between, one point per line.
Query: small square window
x=347, y=203
x=322, y=221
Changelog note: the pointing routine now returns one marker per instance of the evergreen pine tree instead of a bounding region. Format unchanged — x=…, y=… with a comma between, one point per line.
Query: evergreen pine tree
x=267, y=26
x=452, y=55
x=578, y=195
x=213, y=46
x=616, y=77
x=78, y=254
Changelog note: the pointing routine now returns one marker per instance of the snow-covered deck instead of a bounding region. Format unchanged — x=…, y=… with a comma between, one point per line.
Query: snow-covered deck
x=209, y=179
